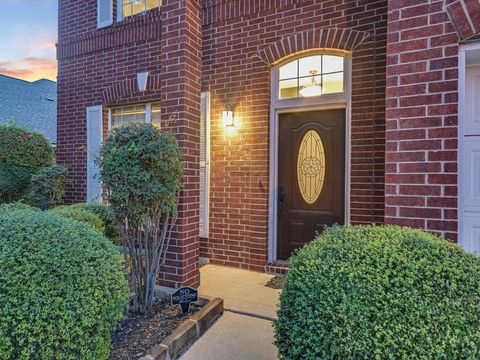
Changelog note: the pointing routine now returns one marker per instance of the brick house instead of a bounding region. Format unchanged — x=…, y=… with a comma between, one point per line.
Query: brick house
x=292, y=115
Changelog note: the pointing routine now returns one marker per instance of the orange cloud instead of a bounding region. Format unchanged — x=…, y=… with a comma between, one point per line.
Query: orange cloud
x=30, y=68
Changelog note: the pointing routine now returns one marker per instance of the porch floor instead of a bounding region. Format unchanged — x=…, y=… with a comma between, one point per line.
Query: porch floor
x=242, y=291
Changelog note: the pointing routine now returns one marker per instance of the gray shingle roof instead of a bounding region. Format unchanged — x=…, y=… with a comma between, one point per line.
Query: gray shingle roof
x=30, y=104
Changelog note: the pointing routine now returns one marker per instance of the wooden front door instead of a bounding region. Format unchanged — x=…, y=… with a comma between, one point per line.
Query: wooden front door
x=311, y=176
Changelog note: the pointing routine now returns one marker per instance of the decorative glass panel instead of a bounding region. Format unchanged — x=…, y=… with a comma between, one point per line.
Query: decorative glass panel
x=311, y=76
x=311, y=167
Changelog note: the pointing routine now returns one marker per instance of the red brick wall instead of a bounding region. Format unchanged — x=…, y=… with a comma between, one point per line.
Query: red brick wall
x=235, y=72
x=421, y=169
x=238, y=40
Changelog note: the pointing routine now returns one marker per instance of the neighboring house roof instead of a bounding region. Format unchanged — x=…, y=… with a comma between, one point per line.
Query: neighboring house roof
x=30, y=104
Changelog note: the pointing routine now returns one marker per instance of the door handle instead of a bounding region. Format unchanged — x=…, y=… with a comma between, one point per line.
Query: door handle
x=281, y=201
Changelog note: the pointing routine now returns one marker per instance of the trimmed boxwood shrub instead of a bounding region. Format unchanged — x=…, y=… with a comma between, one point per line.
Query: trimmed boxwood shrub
x=16, y=206
x=82, y=215
x=62, y=288
x=380, y=293
x=106, y=214
x=22, y=154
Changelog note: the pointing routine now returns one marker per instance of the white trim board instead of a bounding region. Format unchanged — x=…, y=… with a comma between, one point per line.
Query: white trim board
x=325, y=102
x=94, y=122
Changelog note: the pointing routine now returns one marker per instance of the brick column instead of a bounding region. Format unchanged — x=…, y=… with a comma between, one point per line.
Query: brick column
x=421, y=155
x=180, y=74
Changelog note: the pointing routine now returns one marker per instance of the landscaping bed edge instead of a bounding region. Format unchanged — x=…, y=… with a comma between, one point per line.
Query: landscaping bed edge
x=191, y=329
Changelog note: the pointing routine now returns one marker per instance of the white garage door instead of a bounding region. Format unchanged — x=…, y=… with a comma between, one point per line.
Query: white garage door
x=470, y=168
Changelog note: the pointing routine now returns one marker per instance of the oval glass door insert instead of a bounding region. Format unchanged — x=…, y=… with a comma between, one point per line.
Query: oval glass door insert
x=311, y=167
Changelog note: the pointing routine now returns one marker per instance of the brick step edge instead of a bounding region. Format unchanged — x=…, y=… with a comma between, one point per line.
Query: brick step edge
x=188, y=331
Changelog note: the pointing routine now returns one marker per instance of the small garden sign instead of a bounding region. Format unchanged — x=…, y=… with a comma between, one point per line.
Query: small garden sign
x=184, y=296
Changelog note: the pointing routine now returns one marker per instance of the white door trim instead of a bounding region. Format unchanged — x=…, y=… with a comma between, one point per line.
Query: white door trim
x=326, y=102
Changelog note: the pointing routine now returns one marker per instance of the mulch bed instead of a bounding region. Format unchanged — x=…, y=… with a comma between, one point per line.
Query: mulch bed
x=276, y=282
x=138, y=333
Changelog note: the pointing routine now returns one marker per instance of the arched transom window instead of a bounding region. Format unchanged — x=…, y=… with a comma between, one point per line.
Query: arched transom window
x=310, y=76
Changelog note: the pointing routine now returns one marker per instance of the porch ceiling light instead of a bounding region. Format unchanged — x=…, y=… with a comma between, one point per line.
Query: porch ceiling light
x=314, y=88
x=227, y=118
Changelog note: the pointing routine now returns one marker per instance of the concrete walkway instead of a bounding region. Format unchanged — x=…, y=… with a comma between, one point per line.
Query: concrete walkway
x=245, y=330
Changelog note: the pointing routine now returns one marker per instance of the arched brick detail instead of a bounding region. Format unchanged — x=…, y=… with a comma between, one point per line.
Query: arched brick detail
x=126, y=88
x=323, y=38
x=465, y=17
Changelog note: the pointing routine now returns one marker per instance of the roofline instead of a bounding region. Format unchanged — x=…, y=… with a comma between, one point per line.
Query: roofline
x=28, y=82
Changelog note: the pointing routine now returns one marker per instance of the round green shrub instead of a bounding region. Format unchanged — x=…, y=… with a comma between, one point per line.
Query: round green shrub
x=17, y=206
x=62, y=288
x=82, y=215
x=22, y=154
x=142, y=168
x=106, y=214
x=380, y=293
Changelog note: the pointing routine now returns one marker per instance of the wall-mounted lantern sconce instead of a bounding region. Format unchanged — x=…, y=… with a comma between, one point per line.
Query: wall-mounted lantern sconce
x=227, y=118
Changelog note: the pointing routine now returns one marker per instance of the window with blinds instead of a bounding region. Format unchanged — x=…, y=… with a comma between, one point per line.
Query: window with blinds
x=133, y=7
x=204, y=163
x=136, y=114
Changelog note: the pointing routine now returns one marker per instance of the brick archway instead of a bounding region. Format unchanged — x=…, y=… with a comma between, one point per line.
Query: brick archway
x=465, y=17
x=127, y=88
x=323, y=38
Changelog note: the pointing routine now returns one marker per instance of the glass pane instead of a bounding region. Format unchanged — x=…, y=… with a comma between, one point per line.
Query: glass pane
x=128, y=115
x=156, y=115
x=289, y=71
x=332, y=64
x=138, y=6
x=153, y=4
x=310, y=63
x=311, y=167
x=288, y=89
x=311, y=86
x=333, y=83
x=127, y=9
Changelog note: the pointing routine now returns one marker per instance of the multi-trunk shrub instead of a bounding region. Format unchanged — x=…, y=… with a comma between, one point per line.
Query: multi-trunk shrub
x=62, y=287
x=380, y=293
x=142, y=169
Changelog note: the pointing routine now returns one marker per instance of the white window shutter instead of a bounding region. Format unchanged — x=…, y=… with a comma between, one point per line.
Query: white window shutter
x=204, y=163
x=104, y=13
x=94, y=142
x=119, y=10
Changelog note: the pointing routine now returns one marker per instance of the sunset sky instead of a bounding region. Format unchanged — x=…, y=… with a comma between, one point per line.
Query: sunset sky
x=28, y=32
